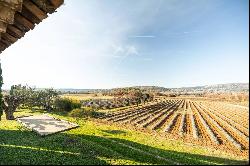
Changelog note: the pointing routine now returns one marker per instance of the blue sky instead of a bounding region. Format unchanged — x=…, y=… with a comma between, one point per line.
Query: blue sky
x=116, y=43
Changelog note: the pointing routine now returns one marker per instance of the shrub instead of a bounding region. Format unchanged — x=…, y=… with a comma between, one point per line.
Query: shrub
x=65, y=104
x=84, y=113
x=75, y=104
x=80, y=113
x=95, y=114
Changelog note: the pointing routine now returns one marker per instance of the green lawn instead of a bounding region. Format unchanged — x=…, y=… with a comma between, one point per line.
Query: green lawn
x=95, y=143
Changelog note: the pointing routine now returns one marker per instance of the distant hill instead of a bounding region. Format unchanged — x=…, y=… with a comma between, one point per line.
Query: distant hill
x=152, y=88
x=230, y=87
x=144, y=88
x=71, y=90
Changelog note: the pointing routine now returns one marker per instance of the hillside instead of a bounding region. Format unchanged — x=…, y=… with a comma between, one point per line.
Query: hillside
x=230, y=87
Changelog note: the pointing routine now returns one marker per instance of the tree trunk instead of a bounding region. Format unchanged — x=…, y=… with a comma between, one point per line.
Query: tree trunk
x=9, y=114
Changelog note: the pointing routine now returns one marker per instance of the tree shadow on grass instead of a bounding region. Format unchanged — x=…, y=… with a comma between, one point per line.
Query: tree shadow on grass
x=114, y=131
x=26, y=147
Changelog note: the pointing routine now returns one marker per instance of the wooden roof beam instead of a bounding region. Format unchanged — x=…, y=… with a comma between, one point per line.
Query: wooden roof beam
x=19, y=18
x=14, y=31
x=3, y=46
x=9, y=37
x=30, y=16
x=46, y=6
x=56, y=3
x=35, y=10
x=6, y=42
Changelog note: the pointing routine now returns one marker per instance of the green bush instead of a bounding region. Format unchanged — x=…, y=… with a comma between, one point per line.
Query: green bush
x=75, y=104
x=80, y=113
x=84, y=113
x=65, y=104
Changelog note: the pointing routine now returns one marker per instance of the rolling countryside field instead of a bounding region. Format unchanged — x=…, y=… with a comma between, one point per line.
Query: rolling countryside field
x=163, y=130
x=124, y=82
x=100, y=142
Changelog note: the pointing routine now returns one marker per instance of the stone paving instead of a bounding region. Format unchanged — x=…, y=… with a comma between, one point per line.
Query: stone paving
x=45, y=124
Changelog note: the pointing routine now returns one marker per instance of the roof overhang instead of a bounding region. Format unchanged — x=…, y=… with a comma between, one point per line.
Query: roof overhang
x=19, y=16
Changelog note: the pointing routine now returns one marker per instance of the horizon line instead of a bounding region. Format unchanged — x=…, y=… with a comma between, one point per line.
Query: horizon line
x=138, y=86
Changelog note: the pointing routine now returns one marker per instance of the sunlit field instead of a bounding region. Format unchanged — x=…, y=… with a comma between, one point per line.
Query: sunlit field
x=97, y=142
x=124, y=82
x=86, y=96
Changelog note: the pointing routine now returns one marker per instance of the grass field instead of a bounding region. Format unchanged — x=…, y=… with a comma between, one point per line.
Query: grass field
x=99, y=143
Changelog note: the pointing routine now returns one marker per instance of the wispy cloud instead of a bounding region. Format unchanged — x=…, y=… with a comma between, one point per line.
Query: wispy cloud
x=143, y=36
x=131, y=50
x=187, y=32
x=124, y=51
x=181, y=34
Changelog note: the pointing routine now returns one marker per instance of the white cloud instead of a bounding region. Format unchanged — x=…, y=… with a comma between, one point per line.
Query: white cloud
x=131, y=50
x=143, y=36
x=124, y=51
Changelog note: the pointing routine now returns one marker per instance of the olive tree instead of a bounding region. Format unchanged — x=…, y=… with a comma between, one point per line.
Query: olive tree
x=47, y=98
x=28, y=97
x=18, y=95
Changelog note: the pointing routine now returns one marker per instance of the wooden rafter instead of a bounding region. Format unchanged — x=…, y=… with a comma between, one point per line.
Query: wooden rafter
x=19, y=16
